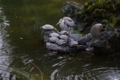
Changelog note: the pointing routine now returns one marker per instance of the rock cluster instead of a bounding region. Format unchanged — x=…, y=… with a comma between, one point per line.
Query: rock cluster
x=104, y=36
x=100, y=11
x=107, y=42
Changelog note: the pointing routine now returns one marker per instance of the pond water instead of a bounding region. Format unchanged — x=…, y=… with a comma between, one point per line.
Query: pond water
x=23, y=53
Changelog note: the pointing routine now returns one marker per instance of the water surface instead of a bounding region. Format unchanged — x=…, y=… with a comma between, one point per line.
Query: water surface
x=21, y=44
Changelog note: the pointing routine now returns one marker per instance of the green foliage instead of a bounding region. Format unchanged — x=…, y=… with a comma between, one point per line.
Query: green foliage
x=100, y=11
x=82, y=33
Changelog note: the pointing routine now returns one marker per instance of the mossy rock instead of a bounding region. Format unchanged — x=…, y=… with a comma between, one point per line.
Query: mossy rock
x=99, y=11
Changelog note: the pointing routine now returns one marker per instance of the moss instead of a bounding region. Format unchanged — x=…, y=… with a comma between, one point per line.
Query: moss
x=100, y=11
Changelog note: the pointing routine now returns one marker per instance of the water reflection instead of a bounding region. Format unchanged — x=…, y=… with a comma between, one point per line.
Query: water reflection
x=5, y=48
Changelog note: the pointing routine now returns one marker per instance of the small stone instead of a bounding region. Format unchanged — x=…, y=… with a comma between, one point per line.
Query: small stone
x=76, y=37
x=54, y=34
x=61, y=42
x=53, y=39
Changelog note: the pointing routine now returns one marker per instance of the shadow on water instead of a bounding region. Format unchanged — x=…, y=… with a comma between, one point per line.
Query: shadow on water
x=22, y=50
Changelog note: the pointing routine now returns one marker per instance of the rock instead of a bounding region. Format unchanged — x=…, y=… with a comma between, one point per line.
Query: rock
x=88, y=37
x=116, y=43
x=53, y=39
x=52, y=46
x=112, y=36
x=63, y=32
x=47, y=27
x=71, y=8
x=47, y=30
x=84, y=39
x=54, y=34
x=108, y=35
x=81, y=47
x=45, y=38
x=73, y=43
x=64, y=37
x=76, y=36
x=104, y=35
x=118, y=29
x=55, y=47
x=89, y=44
x=95, y=30
x=61, y=42
x=99, y=43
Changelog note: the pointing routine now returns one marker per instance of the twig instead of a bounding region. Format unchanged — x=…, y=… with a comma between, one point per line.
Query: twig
x=32, y=64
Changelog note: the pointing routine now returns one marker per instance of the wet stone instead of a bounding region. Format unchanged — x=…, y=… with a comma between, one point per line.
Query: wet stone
x=53, y=39
x=99, y=43
x=63, y=32
x=76, y=37
x=112, y=36
x=61, y=42
x=81, y=47
x=54, y=34
x=88, y=44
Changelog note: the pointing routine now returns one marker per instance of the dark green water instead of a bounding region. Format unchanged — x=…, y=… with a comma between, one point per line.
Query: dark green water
x=20, y=22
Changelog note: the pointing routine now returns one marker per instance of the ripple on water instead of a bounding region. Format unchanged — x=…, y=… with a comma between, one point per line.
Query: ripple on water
x=101, y=73
x=78, y=70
